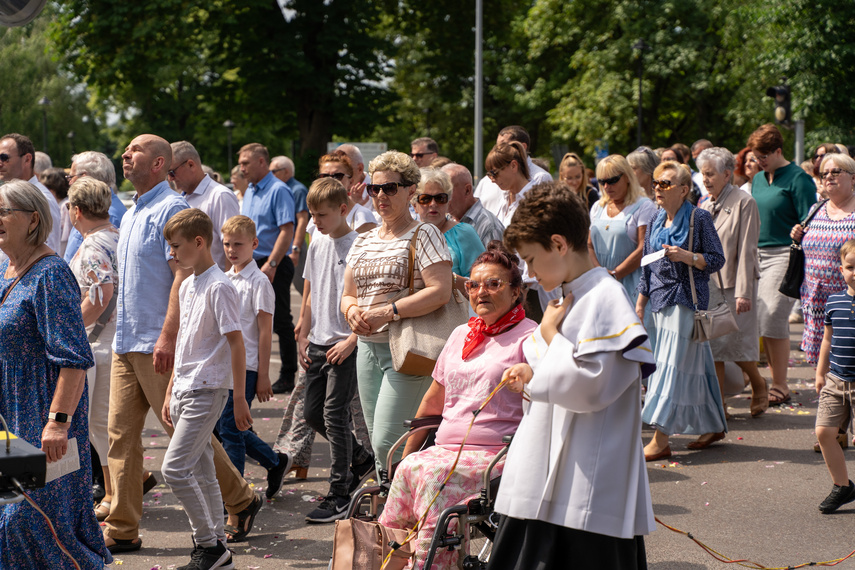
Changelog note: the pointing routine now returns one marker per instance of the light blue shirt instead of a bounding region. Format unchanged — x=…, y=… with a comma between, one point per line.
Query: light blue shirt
x=299, y=192
x=117, y=212
x=269, y=204
x=145, y=278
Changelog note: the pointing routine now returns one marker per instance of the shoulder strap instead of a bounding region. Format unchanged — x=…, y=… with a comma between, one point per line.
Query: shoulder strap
x=692, y=250
x=412, y=257
x=813, y=212
x=27, y=270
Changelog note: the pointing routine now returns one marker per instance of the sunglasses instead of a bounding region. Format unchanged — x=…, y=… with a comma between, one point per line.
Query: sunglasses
x=389, y=189
x=337, y=175
x=609, y=181
x=421, y=154
x=833, y=173
x=495, y=172
x=5, y=157
x=425, y=199
x=664, y=184
x=491, y=285
x=174, y=170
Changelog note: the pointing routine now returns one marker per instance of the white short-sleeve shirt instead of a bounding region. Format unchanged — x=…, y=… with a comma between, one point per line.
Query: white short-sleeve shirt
x=256, y=295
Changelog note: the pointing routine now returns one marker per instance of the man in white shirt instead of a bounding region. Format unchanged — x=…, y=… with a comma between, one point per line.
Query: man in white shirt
x=698, y=147
x=360, y=177
x=492, y=197
x=17, y=157
x=203, y=193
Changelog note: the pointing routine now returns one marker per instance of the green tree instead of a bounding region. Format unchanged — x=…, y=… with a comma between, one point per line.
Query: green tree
x=32, y=73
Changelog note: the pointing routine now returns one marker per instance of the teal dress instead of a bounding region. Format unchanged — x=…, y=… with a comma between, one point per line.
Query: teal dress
x=465, y=246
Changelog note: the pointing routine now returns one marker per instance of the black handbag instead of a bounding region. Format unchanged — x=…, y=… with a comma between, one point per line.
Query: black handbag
x=791, y=284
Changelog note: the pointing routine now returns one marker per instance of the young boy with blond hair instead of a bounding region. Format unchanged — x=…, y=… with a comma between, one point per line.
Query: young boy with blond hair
x=208, y=356
x=326, y=348
x=835, y=372
x=257, y=301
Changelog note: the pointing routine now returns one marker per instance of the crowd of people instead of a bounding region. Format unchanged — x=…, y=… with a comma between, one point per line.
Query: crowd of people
x=173, y=304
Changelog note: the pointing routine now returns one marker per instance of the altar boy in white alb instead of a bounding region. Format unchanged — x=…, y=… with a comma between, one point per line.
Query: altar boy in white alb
x=574, y=492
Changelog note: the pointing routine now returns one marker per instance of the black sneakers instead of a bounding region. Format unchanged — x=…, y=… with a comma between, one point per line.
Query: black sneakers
x=277, y=474
x=210, y=558
x=334, y=507
x=838, y=497
x=361, y=473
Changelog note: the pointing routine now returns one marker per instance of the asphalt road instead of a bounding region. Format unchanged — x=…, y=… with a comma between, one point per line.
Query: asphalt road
x=753, y=496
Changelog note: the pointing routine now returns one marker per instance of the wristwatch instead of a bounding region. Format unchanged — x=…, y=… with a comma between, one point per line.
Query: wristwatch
x=272, y=263
x=59, y=417
x=395, y=315
x=296, y=248
x=694, y=259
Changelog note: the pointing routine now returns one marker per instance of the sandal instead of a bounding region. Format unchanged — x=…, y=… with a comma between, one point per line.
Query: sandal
x=102, y=511
x=705, y=440
x=777, y=397
x=245, y=519
x=149, y=483
x=124, y=545
x=759, y=404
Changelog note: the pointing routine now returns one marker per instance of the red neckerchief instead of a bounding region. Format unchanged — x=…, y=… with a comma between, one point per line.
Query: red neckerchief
x=479, y=331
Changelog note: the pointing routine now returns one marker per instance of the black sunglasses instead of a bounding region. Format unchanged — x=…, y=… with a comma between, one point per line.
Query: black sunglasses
x=609, y=181
x=389, y=189
x=663, y=184
x=5, y=157
x=421, y=154
x=425, y=199
x=337, y=175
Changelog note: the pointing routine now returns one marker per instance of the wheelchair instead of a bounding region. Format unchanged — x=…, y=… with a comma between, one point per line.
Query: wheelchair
x=476, y=520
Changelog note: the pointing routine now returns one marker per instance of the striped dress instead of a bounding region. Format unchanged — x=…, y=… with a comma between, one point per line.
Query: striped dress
x=820, y=244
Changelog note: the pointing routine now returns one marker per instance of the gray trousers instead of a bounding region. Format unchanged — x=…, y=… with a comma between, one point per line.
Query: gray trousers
x=188, y=467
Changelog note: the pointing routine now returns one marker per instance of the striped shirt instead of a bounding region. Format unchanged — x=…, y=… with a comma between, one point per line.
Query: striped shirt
x=381, y=267
x=840, y=315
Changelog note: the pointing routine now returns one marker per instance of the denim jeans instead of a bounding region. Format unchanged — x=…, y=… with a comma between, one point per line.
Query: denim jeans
x=238, y=444
x=188, y=466
x=329, y=391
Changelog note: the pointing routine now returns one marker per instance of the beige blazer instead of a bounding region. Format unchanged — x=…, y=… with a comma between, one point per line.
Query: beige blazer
x=737, y=222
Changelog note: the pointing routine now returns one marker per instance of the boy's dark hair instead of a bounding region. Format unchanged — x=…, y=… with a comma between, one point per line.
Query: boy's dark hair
x=548, y=209
x=190, y=223
x=326, y=191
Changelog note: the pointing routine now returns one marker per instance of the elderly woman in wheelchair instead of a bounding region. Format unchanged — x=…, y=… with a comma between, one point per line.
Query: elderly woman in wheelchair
x=467, y=372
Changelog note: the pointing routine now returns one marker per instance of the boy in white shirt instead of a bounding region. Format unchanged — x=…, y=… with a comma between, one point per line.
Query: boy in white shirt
x=256, y=316
x=209, y=353
x=327, y=348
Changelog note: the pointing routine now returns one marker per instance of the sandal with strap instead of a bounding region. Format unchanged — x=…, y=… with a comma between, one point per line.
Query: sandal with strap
x=777, y=397
x=245, y=519
x=102, y=511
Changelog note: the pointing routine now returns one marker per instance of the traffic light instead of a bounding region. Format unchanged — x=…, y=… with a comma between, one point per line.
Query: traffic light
x=783, y=113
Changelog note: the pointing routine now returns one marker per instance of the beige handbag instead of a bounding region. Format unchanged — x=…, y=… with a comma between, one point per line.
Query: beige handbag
x=361, y=545
x=416, y=342
x=710, y=323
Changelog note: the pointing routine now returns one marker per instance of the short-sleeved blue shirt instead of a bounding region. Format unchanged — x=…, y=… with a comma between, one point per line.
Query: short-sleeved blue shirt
x=145, y=278
x=840, y=315
x=299, y=192
x=269, y=204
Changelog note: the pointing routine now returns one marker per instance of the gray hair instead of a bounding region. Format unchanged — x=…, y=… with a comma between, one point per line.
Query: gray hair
x=282, y=162
x=436, y=176
x=644, y=159
x=394, y=161
x=353, y=153
x=97, y=165
x=184, y=150
x=23, y=195
x=92, y=196
x=718, y=157
x=42, y=162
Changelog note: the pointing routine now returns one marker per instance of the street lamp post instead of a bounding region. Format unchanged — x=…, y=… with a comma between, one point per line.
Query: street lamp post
x=641, y=46
x=44, y=102
x=229, y=125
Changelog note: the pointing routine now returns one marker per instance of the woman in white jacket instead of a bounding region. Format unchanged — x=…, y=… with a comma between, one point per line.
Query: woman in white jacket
x=578, y=498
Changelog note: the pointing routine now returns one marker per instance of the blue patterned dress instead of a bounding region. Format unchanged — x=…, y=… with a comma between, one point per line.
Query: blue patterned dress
x=41, y=331
x=820, y=244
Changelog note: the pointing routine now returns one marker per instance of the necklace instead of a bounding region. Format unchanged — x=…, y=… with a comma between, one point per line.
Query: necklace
x=95, y=229
x=392, y=231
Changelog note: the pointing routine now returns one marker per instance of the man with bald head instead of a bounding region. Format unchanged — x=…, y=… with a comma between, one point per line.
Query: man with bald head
x=466, y=208
x=147, y=319
x=282, y=168
x=202, y=192
x=360, y=178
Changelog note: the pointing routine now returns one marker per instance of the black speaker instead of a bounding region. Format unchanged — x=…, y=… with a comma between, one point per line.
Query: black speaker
x=19, y=12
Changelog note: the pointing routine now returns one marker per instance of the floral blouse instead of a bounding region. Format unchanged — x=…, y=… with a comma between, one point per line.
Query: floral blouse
x=95, y=264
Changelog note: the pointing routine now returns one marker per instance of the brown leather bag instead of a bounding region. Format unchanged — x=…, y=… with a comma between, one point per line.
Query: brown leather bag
x=361, y=545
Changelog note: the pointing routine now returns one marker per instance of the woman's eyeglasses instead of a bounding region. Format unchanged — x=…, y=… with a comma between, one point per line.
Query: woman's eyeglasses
x=425, y=199
x=491, y=285
x=495, y=172
x=337, y=175
x=833, y=173
x=6, y=212
x=663, y=184
x=389, y=189
x=609, y=181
